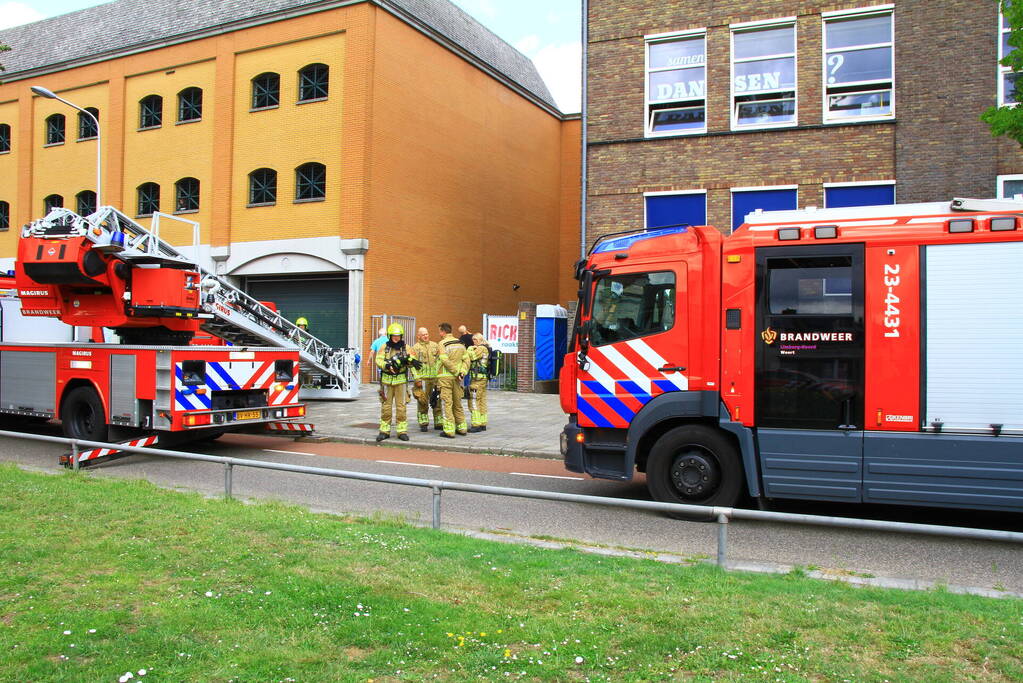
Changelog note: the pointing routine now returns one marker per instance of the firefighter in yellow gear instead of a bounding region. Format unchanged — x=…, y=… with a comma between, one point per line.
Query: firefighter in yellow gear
x=396, y=368
x=479, y=355
x=426, y=352
x=454, y=363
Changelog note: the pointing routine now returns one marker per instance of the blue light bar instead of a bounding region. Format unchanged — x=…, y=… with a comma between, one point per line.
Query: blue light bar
x=626, y=241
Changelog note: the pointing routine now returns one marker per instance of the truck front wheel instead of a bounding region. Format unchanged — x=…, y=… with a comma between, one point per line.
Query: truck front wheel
x=82, y=416
x=695, y=465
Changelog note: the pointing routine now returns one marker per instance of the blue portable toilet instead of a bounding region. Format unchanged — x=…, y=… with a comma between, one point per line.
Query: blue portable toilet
x=551, y=340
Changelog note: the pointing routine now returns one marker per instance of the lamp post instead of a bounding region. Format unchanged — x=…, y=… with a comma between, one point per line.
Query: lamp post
x=50, y=95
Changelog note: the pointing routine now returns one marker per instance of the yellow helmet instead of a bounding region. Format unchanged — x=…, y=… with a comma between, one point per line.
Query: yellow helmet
x=395, y=328
x=302, y=321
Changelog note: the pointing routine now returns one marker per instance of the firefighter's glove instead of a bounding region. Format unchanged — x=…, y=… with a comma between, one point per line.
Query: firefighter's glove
x=434, y=397
x=415, y=363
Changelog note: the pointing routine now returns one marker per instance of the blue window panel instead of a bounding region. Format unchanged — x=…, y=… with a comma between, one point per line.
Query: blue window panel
x=768, y=200
x=858, y=195
x=672, y=209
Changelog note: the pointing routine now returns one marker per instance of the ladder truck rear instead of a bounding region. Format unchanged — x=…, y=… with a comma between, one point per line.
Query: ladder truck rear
x=857, y=355
x=106, y=271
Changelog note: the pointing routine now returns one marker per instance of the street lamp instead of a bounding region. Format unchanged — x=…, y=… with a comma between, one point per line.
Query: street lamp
x=50, y=95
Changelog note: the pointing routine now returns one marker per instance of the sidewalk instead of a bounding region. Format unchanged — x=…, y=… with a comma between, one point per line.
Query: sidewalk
x=518, y=424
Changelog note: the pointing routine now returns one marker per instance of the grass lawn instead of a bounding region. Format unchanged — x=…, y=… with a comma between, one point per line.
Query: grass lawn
x=99, y=578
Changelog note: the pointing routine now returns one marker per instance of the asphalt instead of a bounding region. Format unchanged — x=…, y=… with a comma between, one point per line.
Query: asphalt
x=518, y=424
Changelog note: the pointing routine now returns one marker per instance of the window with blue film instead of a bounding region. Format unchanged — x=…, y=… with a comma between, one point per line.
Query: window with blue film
x=672, y=209
x=858, y=195
x=768, y=200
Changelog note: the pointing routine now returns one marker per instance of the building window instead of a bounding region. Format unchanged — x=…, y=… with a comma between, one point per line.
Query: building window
x=688, y=208
x=5, y=216
x=51, y=202
x=839, y=195
x=148, y=199
x=87, y=128
x=746, y=200
x=151, y=112
x=676, y=85
x=1009, y=186
x=266, y=91
x=5, y=138
x=858, y=66
x=1006, y=77
x=85, y=202
x=310, y=182
x=313, y=82
x=763, y=76
x=186, y=195
x=262, y=187
x=190, y=105
x=55, y=129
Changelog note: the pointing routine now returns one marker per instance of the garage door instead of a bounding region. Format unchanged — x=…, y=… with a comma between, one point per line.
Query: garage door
x=323, y=301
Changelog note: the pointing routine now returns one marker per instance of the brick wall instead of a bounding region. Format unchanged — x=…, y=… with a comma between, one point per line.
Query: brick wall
x=945, y=62
x=525, y=359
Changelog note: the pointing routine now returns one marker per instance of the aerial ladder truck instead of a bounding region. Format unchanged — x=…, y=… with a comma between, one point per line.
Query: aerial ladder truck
x=105, y=271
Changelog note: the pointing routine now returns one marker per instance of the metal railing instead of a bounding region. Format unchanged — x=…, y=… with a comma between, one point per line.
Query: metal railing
x=721, y=515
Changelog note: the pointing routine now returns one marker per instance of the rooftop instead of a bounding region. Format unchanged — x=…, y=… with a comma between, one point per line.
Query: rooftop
x=124, y=26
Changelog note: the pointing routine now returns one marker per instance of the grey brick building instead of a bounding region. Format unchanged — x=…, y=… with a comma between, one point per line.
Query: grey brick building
x=699, y=112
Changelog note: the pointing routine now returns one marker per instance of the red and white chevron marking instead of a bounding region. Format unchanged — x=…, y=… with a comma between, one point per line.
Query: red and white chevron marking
x=290, y=427
x=100, y=452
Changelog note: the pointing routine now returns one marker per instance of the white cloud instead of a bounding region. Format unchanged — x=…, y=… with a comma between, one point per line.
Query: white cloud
x=478, y=8
x=560, y=66
x=17, y=13
x=528, y=45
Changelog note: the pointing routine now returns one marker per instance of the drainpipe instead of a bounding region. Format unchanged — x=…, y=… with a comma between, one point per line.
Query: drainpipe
x=583, y=184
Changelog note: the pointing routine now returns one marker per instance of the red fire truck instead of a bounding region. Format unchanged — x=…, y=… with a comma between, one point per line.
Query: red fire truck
x=860, y=355
x=105, y=271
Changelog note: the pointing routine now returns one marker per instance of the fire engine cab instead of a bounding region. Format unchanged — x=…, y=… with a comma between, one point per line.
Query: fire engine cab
x=857, y=355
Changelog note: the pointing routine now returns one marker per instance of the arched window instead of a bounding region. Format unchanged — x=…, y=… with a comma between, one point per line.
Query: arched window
x=87, y=128
x=266, y=91
x=85, y=202
x=310, y=181
x=55, y=129
x=151, y=111
x=186, y=195
x=148, y=199
x=51, y=202
x=313, y=82
x=190, y=105
x=5, y=216
x=263, y=186
x=5, y=138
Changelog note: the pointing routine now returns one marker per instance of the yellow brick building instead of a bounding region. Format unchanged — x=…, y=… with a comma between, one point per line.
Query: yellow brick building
x=344, y=159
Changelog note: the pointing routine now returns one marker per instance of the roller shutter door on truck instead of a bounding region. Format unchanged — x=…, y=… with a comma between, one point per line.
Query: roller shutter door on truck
x=321, y=300
x=974, y=337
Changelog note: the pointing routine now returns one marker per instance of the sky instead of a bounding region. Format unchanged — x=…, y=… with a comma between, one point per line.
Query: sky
x=546, y=31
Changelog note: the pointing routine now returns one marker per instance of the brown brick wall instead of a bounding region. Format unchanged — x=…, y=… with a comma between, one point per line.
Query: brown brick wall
x=944, y=150
x=934, y=150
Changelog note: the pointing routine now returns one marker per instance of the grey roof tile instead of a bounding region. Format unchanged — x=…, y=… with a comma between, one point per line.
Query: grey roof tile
x=124, y=25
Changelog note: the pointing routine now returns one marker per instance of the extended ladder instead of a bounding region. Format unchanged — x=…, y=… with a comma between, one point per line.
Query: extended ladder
x=228, y=312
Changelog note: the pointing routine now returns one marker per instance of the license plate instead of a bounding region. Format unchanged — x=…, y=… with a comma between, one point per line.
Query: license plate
x=248, y=415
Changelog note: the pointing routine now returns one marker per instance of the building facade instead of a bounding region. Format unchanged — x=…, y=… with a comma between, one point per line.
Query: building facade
x=342, y=159
x=701, y=112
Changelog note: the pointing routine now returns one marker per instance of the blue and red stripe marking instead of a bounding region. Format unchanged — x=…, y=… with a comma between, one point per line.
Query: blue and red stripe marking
x=602, y=408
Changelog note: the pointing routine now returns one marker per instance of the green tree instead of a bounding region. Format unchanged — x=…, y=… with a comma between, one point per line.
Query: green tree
x=1008, y=120
x=4, y=48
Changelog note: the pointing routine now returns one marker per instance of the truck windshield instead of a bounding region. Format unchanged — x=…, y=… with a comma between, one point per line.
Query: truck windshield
x=632, y=305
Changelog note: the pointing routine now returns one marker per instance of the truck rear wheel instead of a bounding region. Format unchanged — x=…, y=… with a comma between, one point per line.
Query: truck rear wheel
x=696, y=465
x=82, y=416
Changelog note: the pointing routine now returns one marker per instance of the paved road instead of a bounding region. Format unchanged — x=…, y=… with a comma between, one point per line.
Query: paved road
x=838, y=552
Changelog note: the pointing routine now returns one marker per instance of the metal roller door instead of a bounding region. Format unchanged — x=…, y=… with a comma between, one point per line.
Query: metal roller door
x=321, y=300
x=974, y=337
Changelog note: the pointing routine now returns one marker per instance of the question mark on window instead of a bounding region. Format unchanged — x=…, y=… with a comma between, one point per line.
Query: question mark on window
x=835, y=62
